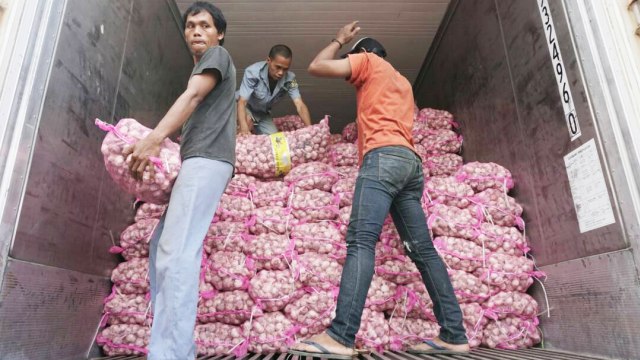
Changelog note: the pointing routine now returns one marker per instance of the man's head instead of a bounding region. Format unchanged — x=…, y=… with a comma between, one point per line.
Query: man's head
x=279, y=61
x=204, y=27
x=367, y=44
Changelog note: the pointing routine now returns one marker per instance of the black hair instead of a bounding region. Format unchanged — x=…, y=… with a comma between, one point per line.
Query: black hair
x=282, y=50
x=370, y=45
x=218, y=18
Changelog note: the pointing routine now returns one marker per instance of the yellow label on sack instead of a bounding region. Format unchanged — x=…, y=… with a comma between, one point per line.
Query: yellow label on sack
x=280, y=148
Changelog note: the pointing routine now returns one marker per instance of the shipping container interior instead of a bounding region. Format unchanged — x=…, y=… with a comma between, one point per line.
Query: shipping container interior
x=485, y=61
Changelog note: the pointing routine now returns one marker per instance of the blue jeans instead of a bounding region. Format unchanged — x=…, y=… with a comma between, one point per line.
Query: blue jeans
x=391, y=180
x=175, y=255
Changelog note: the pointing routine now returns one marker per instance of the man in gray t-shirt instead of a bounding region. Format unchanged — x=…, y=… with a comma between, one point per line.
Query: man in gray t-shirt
x=209, y=132
x=206, y=112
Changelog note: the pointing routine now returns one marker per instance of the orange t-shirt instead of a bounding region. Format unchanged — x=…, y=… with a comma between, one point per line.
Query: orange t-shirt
x=385, y=104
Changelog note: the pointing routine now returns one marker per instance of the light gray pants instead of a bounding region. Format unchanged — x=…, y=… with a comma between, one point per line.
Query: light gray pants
x=262, y=122
x=175, y=255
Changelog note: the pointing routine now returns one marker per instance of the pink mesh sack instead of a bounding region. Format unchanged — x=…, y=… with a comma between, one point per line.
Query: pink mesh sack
x=454, y=222
x=374, y=331
x=288, y=123
x=255, y=155
x=350, y=132
x=228, y=270
x=228, y=307
x=398, y=271
x=313, y=175
x=443, y=164
x=508, y=273
x=233, y=208
x=408, y=332
x=270, y=220
x=127, y=309
x=313, y=311
x=381, y=295
x=156, y=185
x=226, y=236
x=482, y=176
x=468, y=288
x=460, y=254
x=314, y=205
x=510, y=303
x=270, y=193
x=271, y=251
x=272, y=332
x=149, y=211
x=124, y=339
x=273, y=290
x=506, y=240
x=219, y=339
x=132, y=277
x=436, y=119
x=511, y=333
x=448, y=191
x=322, y=237
x=343, y=154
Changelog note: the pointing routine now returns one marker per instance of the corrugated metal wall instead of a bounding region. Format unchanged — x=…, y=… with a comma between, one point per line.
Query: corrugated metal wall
x=491, y=68
x=109, y=62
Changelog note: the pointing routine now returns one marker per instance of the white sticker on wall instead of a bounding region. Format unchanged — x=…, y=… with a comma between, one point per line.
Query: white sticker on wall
x=588, y=187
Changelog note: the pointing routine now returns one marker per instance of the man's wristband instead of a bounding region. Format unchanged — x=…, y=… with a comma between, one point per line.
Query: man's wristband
x=338, y=41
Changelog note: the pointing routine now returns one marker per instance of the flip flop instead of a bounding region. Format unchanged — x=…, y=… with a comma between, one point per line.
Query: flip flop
x=324, y=353
x=435, y=349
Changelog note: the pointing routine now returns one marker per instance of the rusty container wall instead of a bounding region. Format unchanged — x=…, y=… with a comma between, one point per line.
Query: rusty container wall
x=109, y=62
x=490, y=67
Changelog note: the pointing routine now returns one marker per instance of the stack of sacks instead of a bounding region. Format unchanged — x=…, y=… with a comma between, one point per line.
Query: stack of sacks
x=127, y=310
x=275, y=250
x=478, y=232
x=280, y=252
x=436, y=142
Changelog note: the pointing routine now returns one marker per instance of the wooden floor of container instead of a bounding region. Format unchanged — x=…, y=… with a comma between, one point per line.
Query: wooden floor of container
x=476, y=354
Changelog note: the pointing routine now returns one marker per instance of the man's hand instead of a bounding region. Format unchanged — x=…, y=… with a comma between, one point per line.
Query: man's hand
x=245, y=123
x=245, y=127
x=325, y=64
x=348, y=32
x=140, y=153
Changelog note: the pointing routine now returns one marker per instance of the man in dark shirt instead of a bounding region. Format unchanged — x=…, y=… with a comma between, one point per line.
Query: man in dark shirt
x=206, y=112
x=263, y=85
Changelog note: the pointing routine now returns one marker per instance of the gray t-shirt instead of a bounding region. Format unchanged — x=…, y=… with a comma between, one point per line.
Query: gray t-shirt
x=210, y=132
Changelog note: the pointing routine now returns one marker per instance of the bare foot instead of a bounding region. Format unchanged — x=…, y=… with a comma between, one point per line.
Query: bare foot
x=439, y=342
x=325, y=341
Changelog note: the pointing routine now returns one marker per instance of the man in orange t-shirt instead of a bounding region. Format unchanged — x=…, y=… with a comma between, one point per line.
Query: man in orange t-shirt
x=390, y=179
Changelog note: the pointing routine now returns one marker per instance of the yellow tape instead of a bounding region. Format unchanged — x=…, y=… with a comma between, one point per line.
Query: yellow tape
x=281, y=153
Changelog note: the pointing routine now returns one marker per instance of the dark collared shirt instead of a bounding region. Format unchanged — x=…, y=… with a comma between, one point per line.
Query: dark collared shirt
x=255, y=88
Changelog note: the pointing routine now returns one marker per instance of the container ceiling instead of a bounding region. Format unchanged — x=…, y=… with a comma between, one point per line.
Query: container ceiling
x=406, y=29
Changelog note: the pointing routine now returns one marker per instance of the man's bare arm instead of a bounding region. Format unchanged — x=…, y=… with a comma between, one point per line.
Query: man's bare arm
x=325, y=64
x=303, y=111
x=198, y=88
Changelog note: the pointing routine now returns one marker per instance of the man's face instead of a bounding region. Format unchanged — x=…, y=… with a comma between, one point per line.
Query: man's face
x=201, y=33
x=278, y=67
